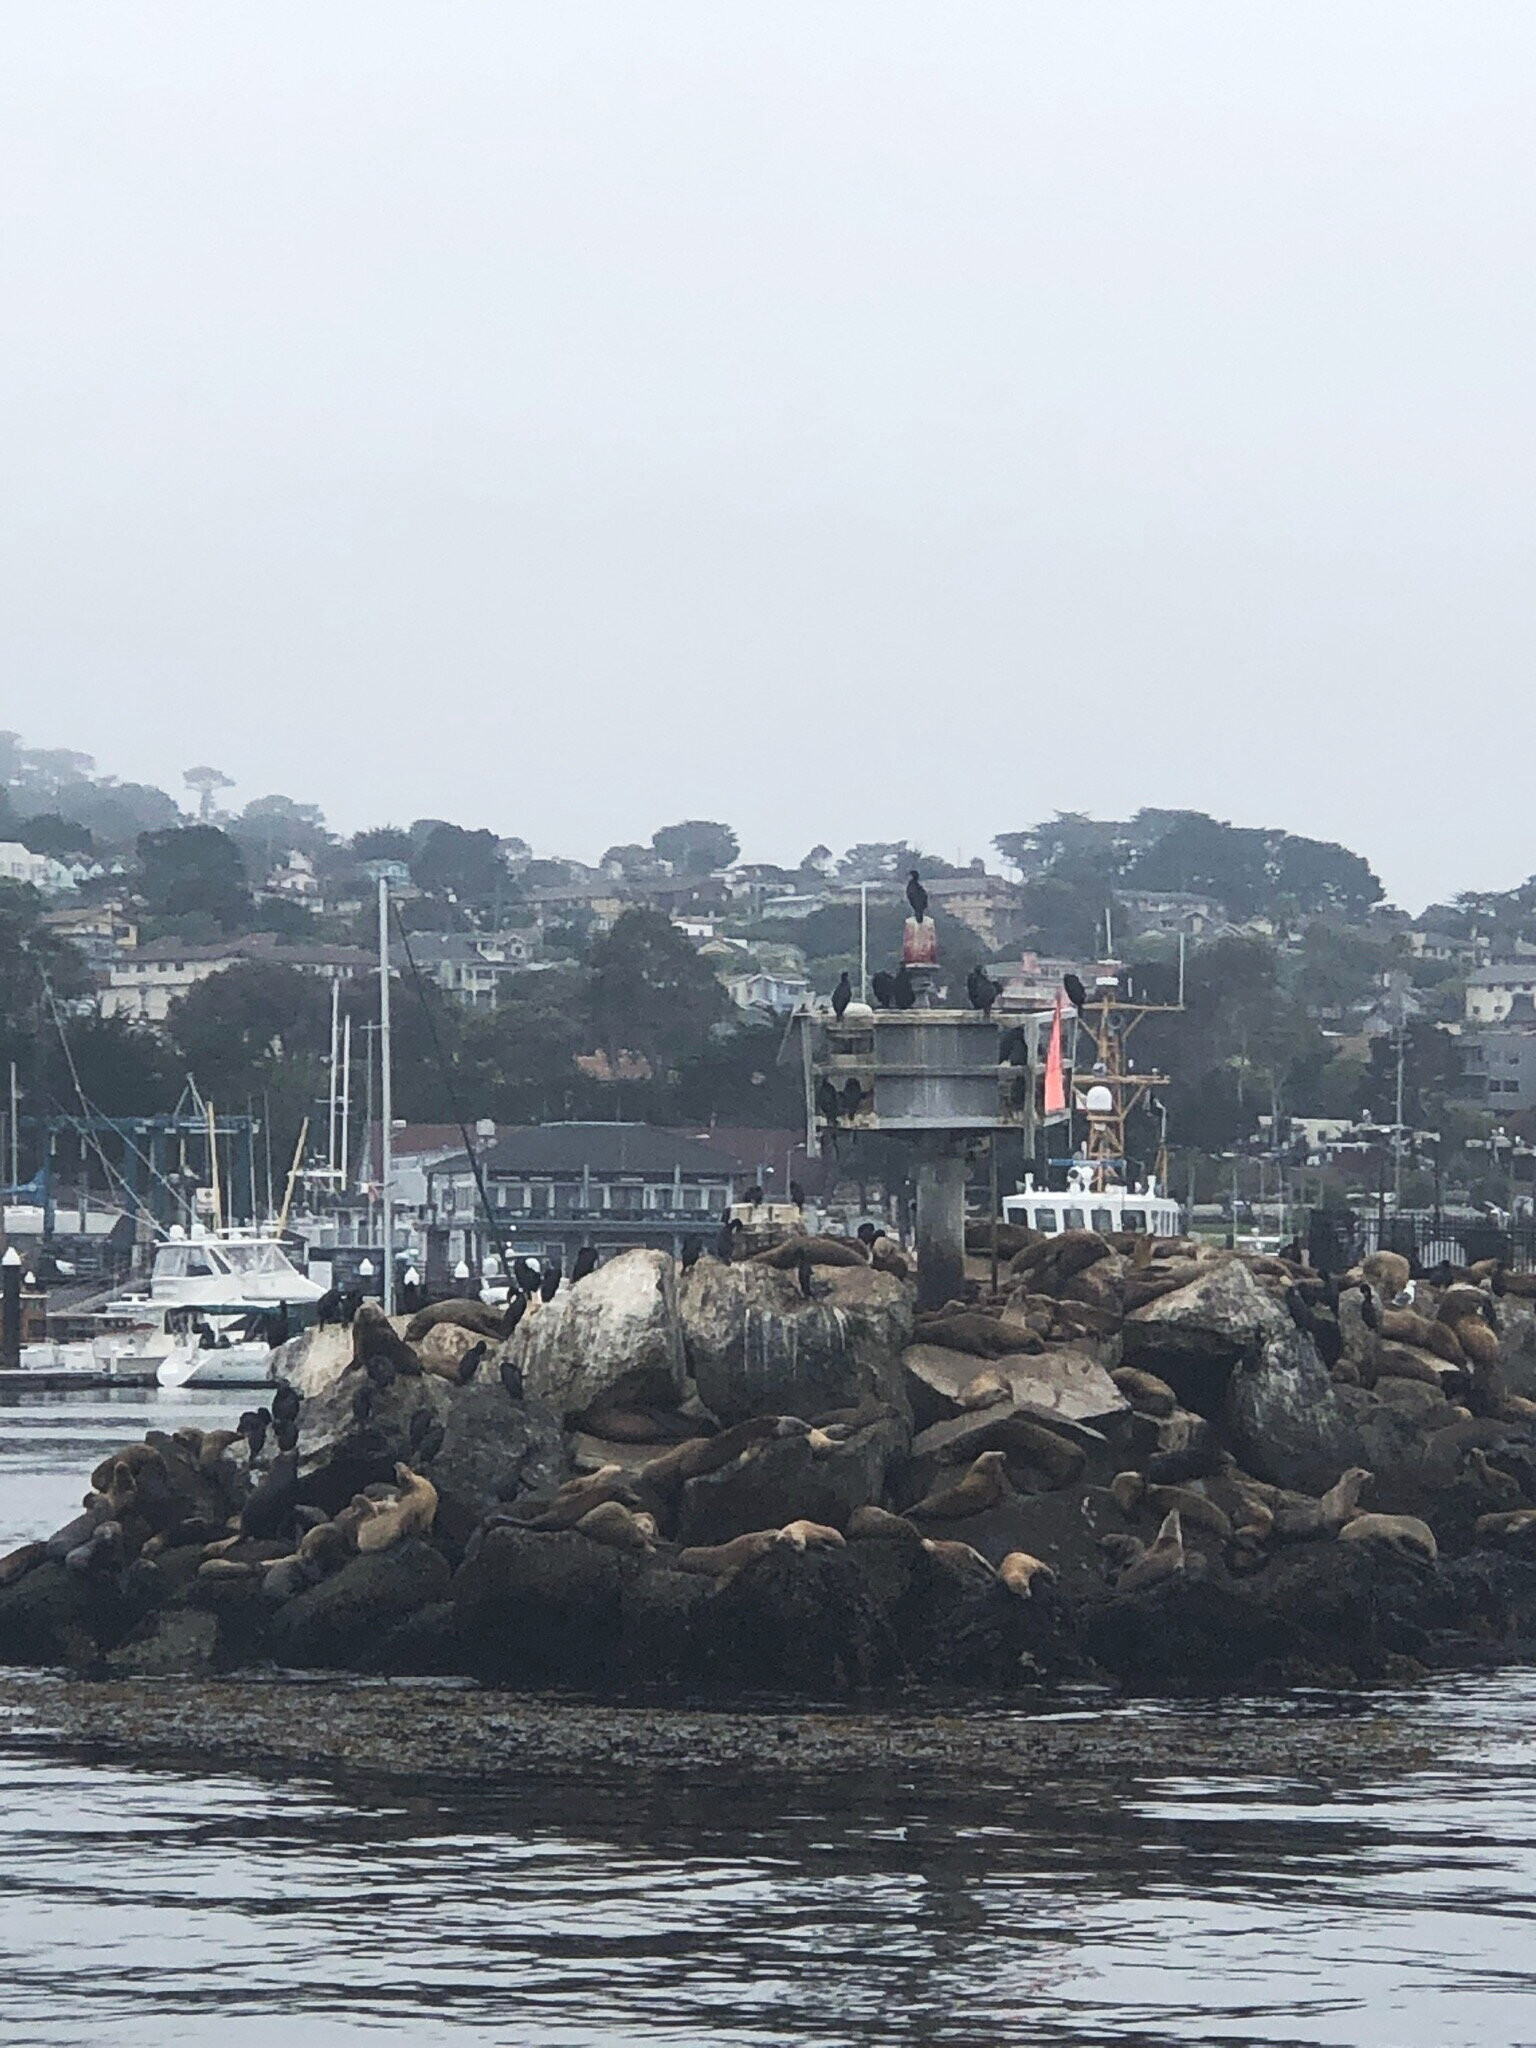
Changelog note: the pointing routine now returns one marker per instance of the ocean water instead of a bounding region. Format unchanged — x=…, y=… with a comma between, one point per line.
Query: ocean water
x=161, y=1906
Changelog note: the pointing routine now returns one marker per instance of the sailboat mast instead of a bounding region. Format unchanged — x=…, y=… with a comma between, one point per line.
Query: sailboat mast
x=386, y=1108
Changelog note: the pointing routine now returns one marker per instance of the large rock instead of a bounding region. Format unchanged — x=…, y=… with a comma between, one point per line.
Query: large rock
x=57, y=1616
x=784, y=1480
x=1193, y=1337
x=336, y=1624
x=539, y=1604
x=1059, y=1385
x=313, y=1361
x=757, y=1346
x=1285, y=1419
x=494, y=1450
x=803, y=1621
x=613, y=1341
x=1517, y=1345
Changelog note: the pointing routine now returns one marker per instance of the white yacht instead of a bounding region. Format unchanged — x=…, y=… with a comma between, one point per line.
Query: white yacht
x=1081, y=1206
x=200, y=1322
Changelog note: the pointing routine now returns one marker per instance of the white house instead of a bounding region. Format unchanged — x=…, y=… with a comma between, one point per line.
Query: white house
x=1491, y=990
x=142, y=985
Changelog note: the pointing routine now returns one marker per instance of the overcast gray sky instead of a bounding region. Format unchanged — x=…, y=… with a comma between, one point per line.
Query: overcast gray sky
x=852, y=420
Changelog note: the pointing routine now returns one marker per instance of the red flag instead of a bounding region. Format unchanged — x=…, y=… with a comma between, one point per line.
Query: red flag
x=1055, y=1085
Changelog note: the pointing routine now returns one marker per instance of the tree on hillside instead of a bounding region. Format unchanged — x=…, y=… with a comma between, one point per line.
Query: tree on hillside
x=207, y=782
x=465, y=865
x=194, y=870
x=382, y=842
x=696, y=847
x=650, y=992
x=631, y=861
x=253, y=1030
x=271, y=826
x=115, y=813
x=47, y=832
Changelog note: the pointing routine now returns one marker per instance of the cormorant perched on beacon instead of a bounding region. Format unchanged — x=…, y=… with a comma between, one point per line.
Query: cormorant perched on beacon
x=903, y=994
x=1077, y=995
x=828, y=1102
x=982, y=990
x=882, y=987
x=917, y=895
x=853, y=1095
x=842, y=996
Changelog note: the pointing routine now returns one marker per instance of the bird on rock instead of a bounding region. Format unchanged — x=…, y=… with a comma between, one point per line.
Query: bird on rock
x=526, y=1273
x=842, y=995
x=586, y=1262
x=982, y=991
x=549, y=1283
x=725, y=1239
x=693, y=1251
x=917, y=895
x=470, y=1363
x=512, y=1378
x=285, y=1403
x=517, y=1308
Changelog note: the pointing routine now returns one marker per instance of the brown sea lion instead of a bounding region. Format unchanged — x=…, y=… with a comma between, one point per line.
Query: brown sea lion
x=958, y=1557
x=983, y=1485
x=1019, y=1571
x=1147, y=1394
x=411, y=1513
x=807, y=1535
x=612, y=1523
x=1405, y=1534
x=877, y=1525
x=721, y=1560
x=984, y=1391
x=1162, y=1559
x=1304, y=1521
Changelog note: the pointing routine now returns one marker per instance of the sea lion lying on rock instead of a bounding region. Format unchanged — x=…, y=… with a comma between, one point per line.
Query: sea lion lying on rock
x=612, y=1523
x=1147, y=1394
x=807, y=1535
x=722, y=1560
x=1133, y=1493
x=982, y=1486
x=878, y=1525
x=411, y=1513
x=1019, y=1571
x=1404, y=1534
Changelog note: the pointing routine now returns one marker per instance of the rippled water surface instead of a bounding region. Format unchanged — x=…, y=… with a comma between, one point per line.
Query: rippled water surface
x=161, y=1907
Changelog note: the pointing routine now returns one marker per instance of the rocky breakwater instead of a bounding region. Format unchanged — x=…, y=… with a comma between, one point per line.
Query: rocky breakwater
x=1175, y=1468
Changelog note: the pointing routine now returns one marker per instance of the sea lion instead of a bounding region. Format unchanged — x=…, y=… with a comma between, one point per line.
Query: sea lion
x=612, y=1523
x=878, y=1525
x=698, y=1455
x=1302, y=1521
x=576, y=1497
x=374, y=1337
x=1494, y=1484
x=467, y=1313
x=807, y=1535
x=1477, y=1341
x=228, y=1568
x=721, y=1560
x=1405, y=1534
x=984, y=1391
x=1513, y=1530
x=983, y=1485
x=958, y=1557
x=1388, y=1272
x=639, y=1426
x=1019, y=1571
x=411, y=1513
x=1162, y=1559
x=102, y=1550
x=1146, y=1393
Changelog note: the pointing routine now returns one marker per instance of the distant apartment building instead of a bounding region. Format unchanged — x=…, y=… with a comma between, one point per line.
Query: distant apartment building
x=142, y=985
x=760, y=990
x=1499, y=1061
x=1143, y=913
x=471, y=967
x=1491, y=991
x=103, y=932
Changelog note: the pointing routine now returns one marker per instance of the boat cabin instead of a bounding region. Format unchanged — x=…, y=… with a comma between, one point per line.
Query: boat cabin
x=1080, y=1206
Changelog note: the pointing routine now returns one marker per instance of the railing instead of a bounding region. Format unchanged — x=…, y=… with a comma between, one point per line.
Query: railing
x=1336, y=1239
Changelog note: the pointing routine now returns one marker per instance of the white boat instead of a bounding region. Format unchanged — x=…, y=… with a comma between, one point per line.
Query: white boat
x=196, y=1325
x=1081, y=1206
